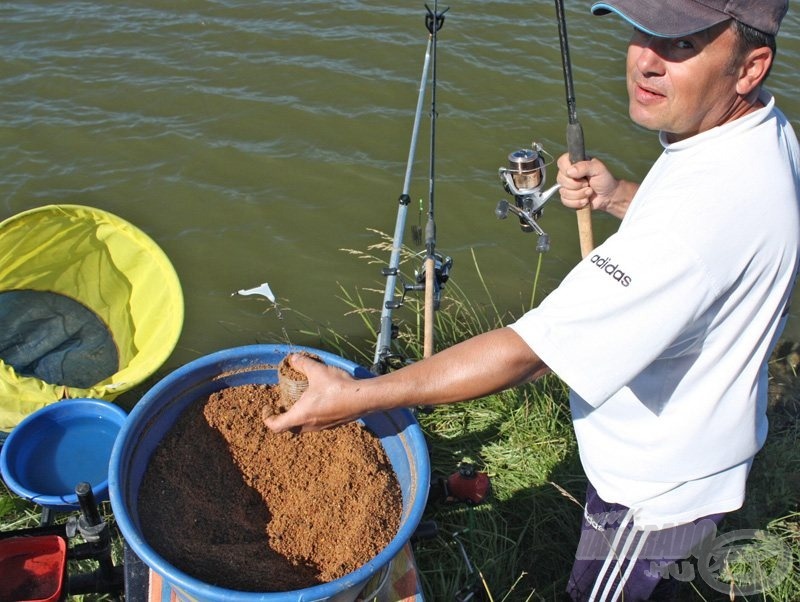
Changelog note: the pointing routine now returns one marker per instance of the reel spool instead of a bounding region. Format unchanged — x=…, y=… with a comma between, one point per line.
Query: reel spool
x=526, y=168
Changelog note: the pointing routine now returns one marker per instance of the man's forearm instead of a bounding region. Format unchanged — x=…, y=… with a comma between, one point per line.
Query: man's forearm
x=485, y=364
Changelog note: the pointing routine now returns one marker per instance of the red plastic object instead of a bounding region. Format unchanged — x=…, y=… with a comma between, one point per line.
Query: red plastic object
x=467, y=485
x=33, y=568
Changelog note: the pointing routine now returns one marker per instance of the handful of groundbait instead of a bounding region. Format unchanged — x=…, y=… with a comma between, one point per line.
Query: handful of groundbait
x=291, y=381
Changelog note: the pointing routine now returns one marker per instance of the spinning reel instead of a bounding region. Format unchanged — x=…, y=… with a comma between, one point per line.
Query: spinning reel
x=523, y=179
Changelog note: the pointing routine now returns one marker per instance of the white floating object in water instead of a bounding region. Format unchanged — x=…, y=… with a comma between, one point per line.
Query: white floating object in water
x=262, y=290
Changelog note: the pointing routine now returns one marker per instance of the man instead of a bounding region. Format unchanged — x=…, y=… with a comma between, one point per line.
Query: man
x=663, y=332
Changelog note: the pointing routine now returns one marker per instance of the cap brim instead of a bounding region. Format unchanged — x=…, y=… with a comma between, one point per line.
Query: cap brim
x=662, y=19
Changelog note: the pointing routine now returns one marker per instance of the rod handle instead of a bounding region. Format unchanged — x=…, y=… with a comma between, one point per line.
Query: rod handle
x=430, y=280
x=577, y=152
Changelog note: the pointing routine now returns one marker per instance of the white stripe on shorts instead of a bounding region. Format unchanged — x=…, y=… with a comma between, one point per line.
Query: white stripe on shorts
x=615, y=558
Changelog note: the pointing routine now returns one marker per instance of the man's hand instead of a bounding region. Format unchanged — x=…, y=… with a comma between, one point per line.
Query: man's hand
x=590, y=183
x=325, y=403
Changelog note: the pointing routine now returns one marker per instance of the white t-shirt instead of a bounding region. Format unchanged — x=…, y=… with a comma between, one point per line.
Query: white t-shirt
x=663, y=331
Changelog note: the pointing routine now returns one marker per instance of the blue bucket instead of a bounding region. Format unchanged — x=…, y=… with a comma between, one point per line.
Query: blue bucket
x=159, y=409
x=59, y=446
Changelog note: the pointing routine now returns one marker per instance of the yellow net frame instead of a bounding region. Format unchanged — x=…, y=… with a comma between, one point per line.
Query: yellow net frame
x=112, y=268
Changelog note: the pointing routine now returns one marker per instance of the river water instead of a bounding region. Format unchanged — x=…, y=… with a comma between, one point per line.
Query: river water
x=255, y=140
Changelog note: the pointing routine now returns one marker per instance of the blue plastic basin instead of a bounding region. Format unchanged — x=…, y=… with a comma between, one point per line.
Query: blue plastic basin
x=63, y=444
x=156, y=413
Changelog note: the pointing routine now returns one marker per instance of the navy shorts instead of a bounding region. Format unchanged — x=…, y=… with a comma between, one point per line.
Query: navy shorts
x=614, y=561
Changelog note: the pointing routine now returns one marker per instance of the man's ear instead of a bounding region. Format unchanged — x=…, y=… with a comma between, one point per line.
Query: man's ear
x=754, y=69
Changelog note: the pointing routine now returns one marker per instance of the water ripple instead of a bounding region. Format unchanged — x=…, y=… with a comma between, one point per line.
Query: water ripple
x=228, y=126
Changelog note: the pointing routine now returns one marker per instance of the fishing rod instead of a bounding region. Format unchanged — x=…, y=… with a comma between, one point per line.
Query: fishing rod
x=575, y=142
x=525, y=175
x=434, y=21
x=388, y=331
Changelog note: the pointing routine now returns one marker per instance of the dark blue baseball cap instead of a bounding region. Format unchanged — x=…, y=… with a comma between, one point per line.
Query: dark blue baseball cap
x=675, y=18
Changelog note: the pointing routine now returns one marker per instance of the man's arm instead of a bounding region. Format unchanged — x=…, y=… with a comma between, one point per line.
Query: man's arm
x=485, y=364
x=591, y=183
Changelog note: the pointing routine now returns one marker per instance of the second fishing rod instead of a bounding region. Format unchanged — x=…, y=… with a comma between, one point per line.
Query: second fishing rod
x=384, y=357
x=436, y=267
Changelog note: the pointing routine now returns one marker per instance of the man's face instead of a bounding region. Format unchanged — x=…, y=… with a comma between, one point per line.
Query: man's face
x=683, y=86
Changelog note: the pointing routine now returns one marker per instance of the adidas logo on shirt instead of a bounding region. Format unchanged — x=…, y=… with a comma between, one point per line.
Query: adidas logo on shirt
x=612, y=269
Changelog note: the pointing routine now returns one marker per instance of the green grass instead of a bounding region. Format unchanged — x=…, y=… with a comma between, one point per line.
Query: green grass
x=519, y=544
